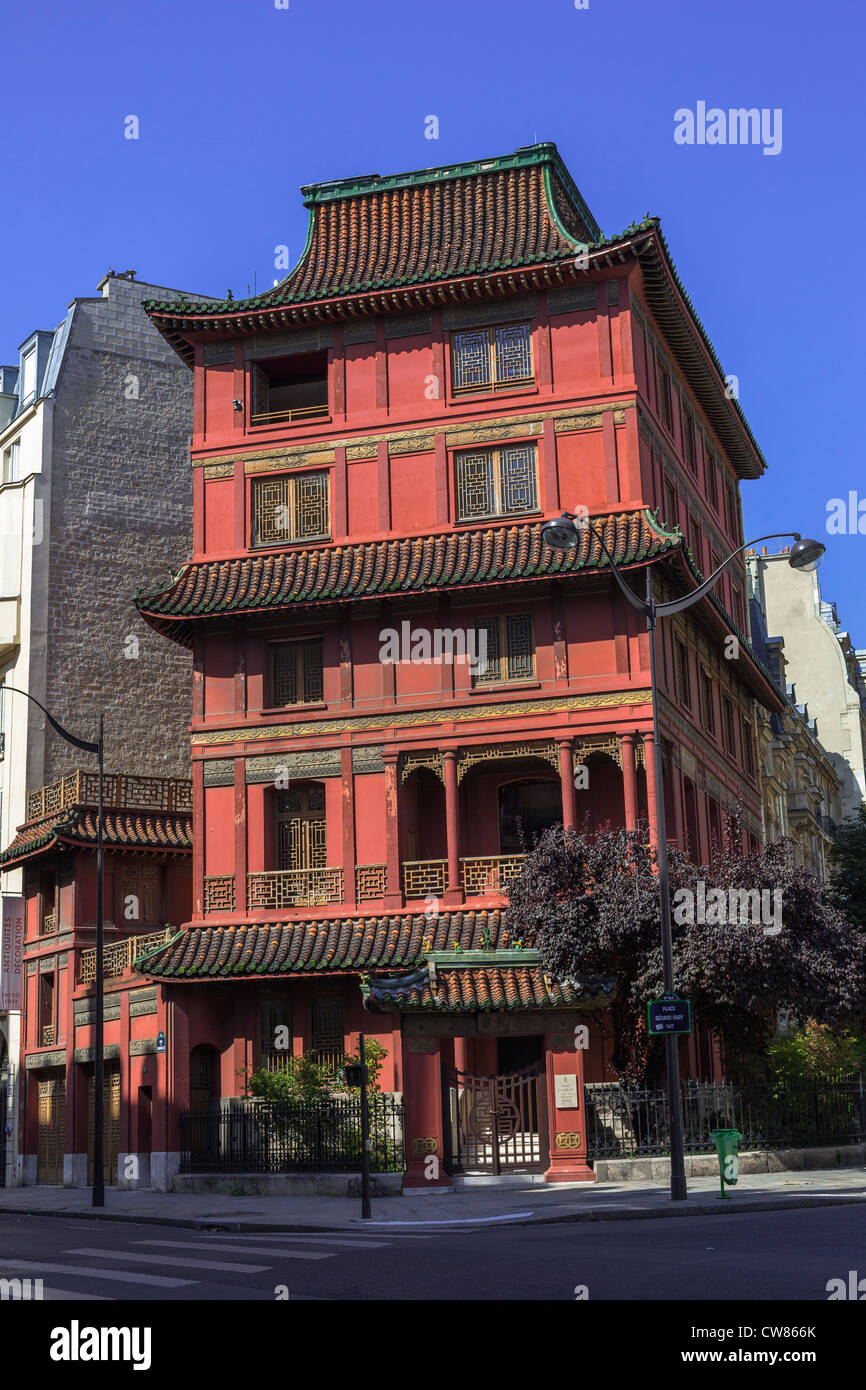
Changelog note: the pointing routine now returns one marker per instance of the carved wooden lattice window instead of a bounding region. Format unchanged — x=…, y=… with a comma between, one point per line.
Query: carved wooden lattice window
x=492, y=359
x=497, y=482
x=140, y=888
x=298, y=673
x=504, y=649
x=276, y=1033
x=328, y=1033
x=292, y=508
x=301, y=834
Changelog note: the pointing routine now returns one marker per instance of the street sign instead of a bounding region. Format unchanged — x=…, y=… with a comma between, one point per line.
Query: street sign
x=669, y=1014
x=160, y=1042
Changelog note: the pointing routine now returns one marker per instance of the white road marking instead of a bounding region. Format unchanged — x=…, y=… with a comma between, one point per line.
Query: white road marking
x=454, y=1221
x=87, y=1272
x=168, y=1260
x=55, y=1295
x=247, y=1250
x=359, y=1244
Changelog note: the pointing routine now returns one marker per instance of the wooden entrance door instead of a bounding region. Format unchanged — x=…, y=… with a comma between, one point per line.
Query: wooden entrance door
x=110, y=1120
x=497, y=1124
x=51, y=1141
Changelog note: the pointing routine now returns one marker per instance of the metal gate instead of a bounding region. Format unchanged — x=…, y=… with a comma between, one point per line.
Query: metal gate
x=497, y=1124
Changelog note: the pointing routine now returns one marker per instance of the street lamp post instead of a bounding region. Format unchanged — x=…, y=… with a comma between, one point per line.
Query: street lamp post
x=562, y=534
x=97, y=748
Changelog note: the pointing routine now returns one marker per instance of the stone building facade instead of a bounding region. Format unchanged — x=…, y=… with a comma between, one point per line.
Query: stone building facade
x=95, y=424
x=826, y=670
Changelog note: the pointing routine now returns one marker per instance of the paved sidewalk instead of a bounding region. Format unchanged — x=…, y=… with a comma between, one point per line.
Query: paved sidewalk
x=486, y=1206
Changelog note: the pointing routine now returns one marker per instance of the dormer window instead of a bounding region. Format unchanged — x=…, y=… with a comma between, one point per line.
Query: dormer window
x=28, y=375
x=492, y=359
x=289, y=390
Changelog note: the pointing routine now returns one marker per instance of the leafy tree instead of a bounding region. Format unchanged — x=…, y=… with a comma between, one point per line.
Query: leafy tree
x=815, y=1050
x=303, y=1079
x=374, y=1054
x=848, y=867
x=590, y=904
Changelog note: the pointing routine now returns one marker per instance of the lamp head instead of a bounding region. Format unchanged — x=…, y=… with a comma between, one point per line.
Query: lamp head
x=560, y=533
x=806, y=554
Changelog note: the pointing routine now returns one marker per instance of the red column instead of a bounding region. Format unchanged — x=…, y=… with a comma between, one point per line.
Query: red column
x=422, y=1114
x=348, y=826
x=566, y=777
x=197, y=839
x=629, y=780
x=240, y=808
x=393, y=891
x=649, y=753
x=567, y=1124
x=454, y=891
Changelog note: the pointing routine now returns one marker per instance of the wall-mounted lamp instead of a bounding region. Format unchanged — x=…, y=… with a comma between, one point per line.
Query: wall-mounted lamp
x=237, y=405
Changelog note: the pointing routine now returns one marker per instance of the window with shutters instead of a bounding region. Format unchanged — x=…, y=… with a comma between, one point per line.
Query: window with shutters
x=689, y=451
x=301, y=827
x=684, y=689
x=492, y=359
x=297, y=673
x=747, y=737
x=708, y=712
x=663, y=392
x=504, y=649
x=289, y=509
x=728, y=735
x=497, y=482
x=275, y=1028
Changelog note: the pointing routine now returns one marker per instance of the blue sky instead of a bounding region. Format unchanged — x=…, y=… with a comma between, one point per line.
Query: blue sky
x=239, y=103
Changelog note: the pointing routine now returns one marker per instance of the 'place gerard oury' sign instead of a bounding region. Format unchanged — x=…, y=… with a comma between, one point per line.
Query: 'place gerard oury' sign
x=669, y=1014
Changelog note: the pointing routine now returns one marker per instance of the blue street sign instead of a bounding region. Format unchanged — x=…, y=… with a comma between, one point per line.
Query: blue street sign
x=160, y=1042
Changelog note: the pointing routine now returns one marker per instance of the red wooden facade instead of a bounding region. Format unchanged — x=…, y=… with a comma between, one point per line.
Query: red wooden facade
x=457, y=356
x=147, y=894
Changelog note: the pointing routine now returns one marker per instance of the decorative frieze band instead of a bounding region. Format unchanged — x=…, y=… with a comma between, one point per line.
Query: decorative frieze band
x=35, y=1061
x=218, y=470
x=368, y=759
x=287, y=344
x=614, y=699
x=467, y=315
x=110, y=1053
x=572, y=300
x=407, y=325
x=142, y=1001
x=410, y=762
x=219, y=772
x=496, y=752
x=272, y=767
x=217, y=354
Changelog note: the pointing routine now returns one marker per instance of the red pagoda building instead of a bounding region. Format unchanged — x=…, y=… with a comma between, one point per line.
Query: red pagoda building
x=393, y=672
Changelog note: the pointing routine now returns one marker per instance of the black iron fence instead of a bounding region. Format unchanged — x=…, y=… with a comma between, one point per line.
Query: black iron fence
x=633, y=1121
x=260, y=1136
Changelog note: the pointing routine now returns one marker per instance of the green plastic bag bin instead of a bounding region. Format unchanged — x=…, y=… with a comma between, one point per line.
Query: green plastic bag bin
x=726, y=1141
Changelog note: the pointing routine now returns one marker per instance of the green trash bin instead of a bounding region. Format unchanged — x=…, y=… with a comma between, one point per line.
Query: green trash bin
x=726, y=1141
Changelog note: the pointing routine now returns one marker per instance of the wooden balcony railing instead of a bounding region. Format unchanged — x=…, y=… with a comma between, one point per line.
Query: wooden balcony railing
x=294, y=888
x=119, y=956
x=369, y=882
x=490, y=873
x=140, y=793
x=283, y=888
x=421, y=877
x=219, y=893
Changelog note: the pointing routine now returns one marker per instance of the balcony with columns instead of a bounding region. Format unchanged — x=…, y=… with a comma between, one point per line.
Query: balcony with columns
x=458, y=821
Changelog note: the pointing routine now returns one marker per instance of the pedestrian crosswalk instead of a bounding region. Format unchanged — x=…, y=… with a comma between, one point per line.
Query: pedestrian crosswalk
x=191, y=1259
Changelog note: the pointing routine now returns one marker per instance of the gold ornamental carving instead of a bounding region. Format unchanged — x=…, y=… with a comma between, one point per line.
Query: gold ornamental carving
x=419, y=718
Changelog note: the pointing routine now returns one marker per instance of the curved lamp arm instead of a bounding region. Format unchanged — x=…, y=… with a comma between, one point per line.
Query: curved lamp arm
x=58, y=728
x=678, y=604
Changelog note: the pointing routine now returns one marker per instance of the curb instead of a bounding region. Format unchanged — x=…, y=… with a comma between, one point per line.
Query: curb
x=784, y=1202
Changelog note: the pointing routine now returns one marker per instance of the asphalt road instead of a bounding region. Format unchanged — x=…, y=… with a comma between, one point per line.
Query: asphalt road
x=786, y=1255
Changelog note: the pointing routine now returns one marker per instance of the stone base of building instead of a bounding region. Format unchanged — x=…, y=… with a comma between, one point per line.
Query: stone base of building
x=287, y=1184
x=707, y=1165
x=75, y=1170
x=164, y=1167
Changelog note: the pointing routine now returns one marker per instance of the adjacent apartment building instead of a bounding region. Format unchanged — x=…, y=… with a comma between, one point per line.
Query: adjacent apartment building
x=826, y=670
x=95, y=424
x=458, y=355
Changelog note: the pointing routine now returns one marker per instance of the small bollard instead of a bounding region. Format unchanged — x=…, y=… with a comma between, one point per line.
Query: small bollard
x=726, y=1141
